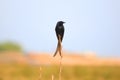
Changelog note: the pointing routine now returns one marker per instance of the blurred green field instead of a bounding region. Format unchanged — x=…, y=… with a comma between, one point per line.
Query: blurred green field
x=30, y=72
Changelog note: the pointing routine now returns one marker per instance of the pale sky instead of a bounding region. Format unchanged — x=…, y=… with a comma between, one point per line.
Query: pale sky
x=91, y=25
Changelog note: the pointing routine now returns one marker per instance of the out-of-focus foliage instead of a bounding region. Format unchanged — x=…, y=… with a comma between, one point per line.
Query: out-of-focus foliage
x=10, y=46
x=31, y=72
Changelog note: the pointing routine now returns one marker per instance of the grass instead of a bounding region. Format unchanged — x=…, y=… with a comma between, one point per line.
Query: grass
x=30, y=72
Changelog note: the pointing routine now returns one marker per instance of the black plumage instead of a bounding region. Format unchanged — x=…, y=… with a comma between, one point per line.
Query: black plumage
x=59, y=29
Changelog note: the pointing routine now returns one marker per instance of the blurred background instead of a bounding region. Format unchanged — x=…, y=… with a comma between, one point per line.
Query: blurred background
x=28, y=39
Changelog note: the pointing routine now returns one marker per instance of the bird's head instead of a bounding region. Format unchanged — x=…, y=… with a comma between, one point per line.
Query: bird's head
x=61, y=22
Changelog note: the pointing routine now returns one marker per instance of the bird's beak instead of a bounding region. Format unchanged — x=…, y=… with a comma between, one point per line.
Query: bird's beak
x=63, y=22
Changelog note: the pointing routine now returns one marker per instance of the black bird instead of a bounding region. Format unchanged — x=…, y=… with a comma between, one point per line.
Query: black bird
x=59, y=33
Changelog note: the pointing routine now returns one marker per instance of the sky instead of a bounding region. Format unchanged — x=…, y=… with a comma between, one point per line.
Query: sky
x=91, y=25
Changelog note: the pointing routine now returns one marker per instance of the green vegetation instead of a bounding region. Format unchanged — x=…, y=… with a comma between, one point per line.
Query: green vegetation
x=10, y=46
x=30, y=72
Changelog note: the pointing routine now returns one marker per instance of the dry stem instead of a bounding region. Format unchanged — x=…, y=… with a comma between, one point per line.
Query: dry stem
x=40, y=76
x=60, y=69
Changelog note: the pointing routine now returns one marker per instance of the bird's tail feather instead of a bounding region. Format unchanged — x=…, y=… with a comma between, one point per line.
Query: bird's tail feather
x=56, y=51
x=59, y=47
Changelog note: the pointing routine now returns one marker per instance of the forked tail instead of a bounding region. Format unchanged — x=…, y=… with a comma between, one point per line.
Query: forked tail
x=59, y=47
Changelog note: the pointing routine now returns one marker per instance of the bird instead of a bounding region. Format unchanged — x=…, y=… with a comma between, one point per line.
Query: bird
x=59, y=29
